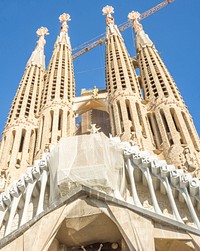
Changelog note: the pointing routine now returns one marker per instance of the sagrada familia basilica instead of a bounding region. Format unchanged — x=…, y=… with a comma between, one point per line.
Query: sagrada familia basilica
x=125, y=178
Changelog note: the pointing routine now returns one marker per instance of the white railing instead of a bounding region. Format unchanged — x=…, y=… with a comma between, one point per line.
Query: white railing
x=25, y=198
x=177, y=187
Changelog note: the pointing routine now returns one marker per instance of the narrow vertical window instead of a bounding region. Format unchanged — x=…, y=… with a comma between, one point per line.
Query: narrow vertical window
x=177, y=126
x=13, y=140
x=166, y=126
x=157, y=129
x=139, y=113
x=152, y=131
x=34, y=149
x=120, y=115
x=132, y=128
x=113, y=120
x=42, y=128
x=51, y=121
x=60, y=123
x=22, y=141
x=190, y=131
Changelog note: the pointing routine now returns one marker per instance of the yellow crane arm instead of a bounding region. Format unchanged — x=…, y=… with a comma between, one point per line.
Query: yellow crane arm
x=121, y=27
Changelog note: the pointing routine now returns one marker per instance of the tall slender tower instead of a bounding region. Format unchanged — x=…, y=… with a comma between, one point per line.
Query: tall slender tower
x=171, y=124
x=19, y=136
x=57, y=117
x=127, y=113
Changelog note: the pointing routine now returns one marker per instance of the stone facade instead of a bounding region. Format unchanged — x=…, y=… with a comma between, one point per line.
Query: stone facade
x=146, y=113
x=147, y=110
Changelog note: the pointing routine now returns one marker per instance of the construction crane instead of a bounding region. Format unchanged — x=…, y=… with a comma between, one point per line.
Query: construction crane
x=87, y=46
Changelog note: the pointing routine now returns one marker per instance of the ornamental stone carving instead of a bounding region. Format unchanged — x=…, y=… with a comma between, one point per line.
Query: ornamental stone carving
x=108, y=10
x=95, y=92
x=190, y=160
x=93, y=129
x=41, y=32
x=134, y=139
x=135, y=16
x=2, y=181
x=63, y=19
x=183, y=159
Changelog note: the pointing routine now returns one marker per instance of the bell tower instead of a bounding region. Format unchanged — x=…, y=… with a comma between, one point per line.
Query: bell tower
x=19, y=137
x=127, y=113
x=57, y=117
x=171, y=124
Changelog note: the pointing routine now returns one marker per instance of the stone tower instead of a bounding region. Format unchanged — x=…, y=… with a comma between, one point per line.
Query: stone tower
x=171, y=124
x=127, y=113
x=57, y=117
x=19, y=137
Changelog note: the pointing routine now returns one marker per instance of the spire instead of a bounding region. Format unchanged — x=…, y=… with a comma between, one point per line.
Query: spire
x=157, y=81
x=124, y=98
x=171, y=126
x=60, y=75
x=142, y=38
x=22, y=123
x=37, y=57
x=64, y=38
x=118, y=61
x=57, y=116
x=112, y=28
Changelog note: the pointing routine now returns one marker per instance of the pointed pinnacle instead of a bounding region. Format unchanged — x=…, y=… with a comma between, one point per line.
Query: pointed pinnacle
x=42, y=31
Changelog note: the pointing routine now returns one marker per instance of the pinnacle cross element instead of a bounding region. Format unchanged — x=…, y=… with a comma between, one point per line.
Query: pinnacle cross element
x=63, y=19
x=142, y=38
x=93, y=129
x=37, y=57
x=135, y=17
x=41, y=32
x=108, y=10
x=64, y=38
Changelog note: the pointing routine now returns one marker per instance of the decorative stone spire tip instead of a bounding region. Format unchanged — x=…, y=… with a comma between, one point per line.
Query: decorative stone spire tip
x=64, y=18
x=142, y=38
x=135, y=17
x=37, y=56
x=108, y=10
x=64, y=37
x=42, y=31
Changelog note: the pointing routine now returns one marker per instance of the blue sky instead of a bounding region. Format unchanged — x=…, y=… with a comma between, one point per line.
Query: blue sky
x=174, y=30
